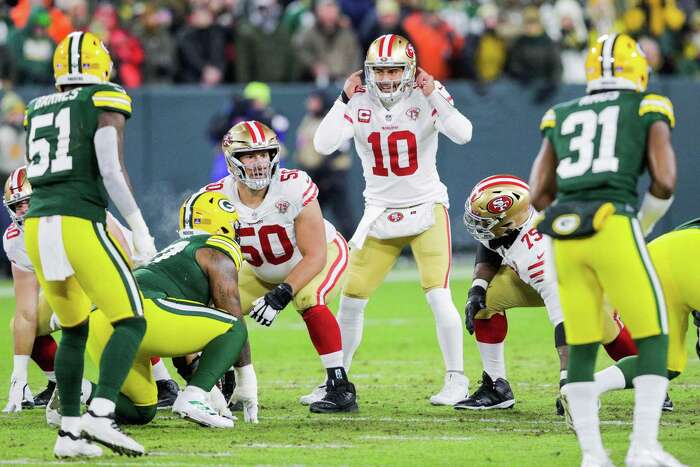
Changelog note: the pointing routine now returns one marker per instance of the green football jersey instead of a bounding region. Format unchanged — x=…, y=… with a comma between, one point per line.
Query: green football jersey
x=175, y=273
x=61, y=161
x=600, y=142
x=691, y=224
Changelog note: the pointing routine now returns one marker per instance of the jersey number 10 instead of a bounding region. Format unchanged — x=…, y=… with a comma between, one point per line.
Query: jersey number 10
x=379, y=168
x=42, y=148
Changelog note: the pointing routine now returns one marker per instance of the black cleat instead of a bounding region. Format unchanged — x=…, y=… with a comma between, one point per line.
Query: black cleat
x=667, y=407
x=41, y=399
x=490, y=395
x=167, y=393
x=340, y=397
x=560, y=407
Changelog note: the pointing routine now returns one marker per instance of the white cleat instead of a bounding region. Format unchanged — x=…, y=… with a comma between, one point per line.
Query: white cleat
x=193, y=405
x=70, y=445
x=104, y=430
x=217, y=401
x=456, y=388
x=651, y=456
x=589, y=460
x=53, y=411
x=316, y=395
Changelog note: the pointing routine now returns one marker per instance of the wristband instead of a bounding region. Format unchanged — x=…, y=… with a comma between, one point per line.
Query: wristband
x=480, y=283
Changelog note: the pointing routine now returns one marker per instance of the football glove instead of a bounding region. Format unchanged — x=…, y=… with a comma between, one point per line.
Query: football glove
x=19, y=391
x=476, y=302
x=266, y=308
x=246, y=392
x=144, y=248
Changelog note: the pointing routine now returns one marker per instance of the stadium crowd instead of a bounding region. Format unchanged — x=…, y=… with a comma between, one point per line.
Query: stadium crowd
x=225, y=41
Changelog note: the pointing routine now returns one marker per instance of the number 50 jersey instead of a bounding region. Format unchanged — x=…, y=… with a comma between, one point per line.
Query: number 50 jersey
x=62, y=165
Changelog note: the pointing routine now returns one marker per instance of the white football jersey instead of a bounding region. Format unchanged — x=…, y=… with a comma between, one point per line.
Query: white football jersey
x=13, y=242
x=267, y=235
x=526, y=256
x=397, y=148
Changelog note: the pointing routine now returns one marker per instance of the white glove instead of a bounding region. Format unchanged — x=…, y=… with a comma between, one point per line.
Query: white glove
x=262, y=312
x=266, y=308
x=246, y=392
x=144, y=248
x=19, y=391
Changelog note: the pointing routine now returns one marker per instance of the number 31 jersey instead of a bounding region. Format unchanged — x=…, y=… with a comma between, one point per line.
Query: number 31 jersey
x=398, y=147
x=267, y=234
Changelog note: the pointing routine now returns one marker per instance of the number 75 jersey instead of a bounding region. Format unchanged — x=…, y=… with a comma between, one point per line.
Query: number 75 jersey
x=398, y=148
x=600, y=141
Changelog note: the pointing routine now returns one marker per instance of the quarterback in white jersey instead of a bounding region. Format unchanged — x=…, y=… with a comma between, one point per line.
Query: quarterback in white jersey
x=509, y=273
x=395, y=121
x=293, y=255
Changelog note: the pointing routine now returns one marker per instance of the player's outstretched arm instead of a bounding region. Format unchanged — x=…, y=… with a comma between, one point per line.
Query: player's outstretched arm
x=661, y=160
x=543, y=177
x=109, y=148
x=336, y=126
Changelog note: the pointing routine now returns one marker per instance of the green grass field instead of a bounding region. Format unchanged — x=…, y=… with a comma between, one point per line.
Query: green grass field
x=396, y=369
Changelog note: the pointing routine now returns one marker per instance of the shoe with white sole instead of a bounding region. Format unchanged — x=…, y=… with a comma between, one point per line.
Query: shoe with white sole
x=316, y=395
x=589, y=460
x=194, y=406
x=651, y=456
x=53, y=411
x=104, y=430
x=70, y=445
x=455, y=389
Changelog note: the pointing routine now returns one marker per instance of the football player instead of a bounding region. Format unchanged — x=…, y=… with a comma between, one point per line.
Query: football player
x=679, y=279
x=292, y=254
x=509, y=272
x=395, y=121
x=594, y=150
x=75, y=165
x=31, y=325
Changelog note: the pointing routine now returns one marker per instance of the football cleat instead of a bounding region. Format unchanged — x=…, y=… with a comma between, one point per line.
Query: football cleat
x=104, y=430
x=560, y=407
x=316, y=395
x=70, y=445
x=455, y=389
x=667, y=407
x=490, y=395
x=589, y=460
x=193, y=405
x=42, y=399
x=340, y=397
x=167, y=393
x=651, y=456
x=53, y=411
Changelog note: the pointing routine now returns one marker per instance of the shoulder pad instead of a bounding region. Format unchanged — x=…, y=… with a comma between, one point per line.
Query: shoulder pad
x=658, y=104
x=227, y=246
x=111, y=97
x=549, y=120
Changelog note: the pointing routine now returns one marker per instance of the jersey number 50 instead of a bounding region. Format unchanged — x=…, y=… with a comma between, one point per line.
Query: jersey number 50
x=393, y=140
x=253, y=255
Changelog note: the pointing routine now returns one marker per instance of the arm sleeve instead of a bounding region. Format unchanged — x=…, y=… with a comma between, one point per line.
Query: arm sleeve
x=334, y=130
x=486, y=255
x=450, y=121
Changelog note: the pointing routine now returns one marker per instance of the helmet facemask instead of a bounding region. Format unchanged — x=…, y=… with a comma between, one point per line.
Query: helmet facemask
x=479, y=227
x=11, y=207
x=389, y=92
x=17, y=190
x=256, y=175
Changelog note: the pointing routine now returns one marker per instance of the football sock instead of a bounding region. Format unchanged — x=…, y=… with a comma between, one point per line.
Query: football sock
x=582, y=362
x=332, y=360
x=325, y=334
x=649, y=395
x=70, y=424
x=87, y=389
x=622, y=346
x=50, y=375
x=351, y=316
x=44, y=352
x=628, y=368
x=490, y=336
x=118, y=356
x=102, y=407
x=448, y=323
x=583, y=404
x=19, y=367
x=653, y=353
x=69, y=368
x=160, y=371
x=128, y=413
x=610, y=379
x=218, y=356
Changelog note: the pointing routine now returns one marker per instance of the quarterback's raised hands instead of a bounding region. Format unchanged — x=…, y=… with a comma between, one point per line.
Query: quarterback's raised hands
x=353, y=81
x=425, y=82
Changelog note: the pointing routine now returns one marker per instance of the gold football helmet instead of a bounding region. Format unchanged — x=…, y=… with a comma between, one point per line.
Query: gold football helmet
x=17, y=189
x=208, y=212
x=496, y=206
x=246, y=137
x=391, y=51
x=616, y=61
x=81, y=58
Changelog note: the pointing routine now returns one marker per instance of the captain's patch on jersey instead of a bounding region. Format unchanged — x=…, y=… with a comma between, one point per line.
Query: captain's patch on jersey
x=363, y=115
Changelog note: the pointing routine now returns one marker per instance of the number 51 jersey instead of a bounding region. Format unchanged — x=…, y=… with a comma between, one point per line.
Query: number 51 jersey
x=398, y=148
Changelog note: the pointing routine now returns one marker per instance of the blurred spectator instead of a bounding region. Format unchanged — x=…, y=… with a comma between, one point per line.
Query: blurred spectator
x=6, y=27
x=264, y=49
x=201, y=48
x=652, y=50
x=356, y=10
x=59, y=23
x=11, y=134
x=254, y=104
x=602, y=16
x=690, y=62
x=437, y=45
x=485, y=48
x=158, y=45
x=534, y=59
x=31, y=50
x=329, y=172
x=567, y=28
x=329, y=50
x=298, y=16
x=384, y=19
x=77, y=12
x=124, y=47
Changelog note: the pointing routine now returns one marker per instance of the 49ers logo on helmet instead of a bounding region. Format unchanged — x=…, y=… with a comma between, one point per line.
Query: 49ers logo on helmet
x=395, y=217
x=499, y=204
x=228, y=139
x=410, y=53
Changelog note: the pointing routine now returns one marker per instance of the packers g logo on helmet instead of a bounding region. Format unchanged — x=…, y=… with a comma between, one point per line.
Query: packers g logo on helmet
x=208, y=212
x=17, y=189
x=81, y=58
x=496, y=206
x=616, y=61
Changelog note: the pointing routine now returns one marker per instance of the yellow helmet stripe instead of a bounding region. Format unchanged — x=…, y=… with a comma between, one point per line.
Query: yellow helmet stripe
x=607, y=69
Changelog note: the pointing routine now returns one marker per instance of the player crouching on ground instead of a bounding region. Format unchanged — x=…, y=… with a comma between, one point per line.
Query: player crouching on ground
x=293, y=255
x=509, y=272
